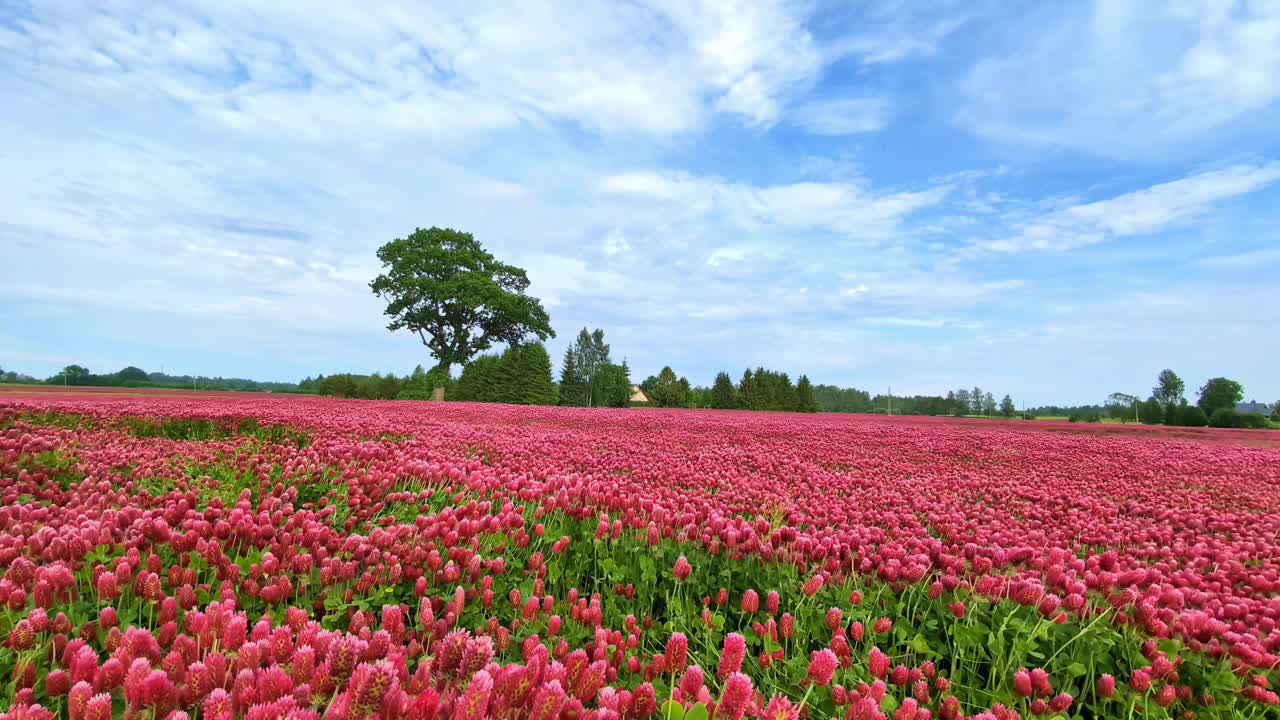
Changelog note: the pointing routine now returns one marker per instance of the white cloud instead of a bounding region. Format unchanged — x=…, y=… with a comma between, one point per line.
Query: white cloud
x=1140, y=212
x=896, y=31
x=849, y=209
x=1130, y=77
x=329, y=70
x=615, y=243
x=842, y=116
x=1242, y=261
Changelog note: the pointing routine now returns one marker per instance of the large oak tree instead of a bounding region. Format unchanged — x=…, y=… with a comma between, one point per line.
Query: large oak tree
x=457, y=297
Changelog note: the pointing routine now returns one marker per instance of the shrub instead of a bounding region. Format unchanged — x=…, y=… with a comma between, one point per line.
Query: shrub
x=1255, y=421
x=1226, y=418
x=1191, y=416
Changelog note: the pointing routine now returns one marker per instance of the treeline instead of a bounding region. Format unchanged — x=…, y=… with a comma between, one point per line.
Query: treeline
x=135, y=377
x=521, y=375
x=589, y=377
x=1218, y=404
x=12, y=377
x=759, y=389
x=959, y=403
x=350, y=385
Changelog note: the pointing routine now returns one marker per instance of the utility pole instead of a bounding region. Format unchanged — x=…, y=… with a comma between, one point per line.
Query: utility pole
x=891, y=400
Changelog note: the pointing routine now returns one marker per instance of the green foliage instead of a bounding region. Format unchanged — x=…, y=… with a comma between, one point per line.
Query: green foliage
x=805, y=400
x=1151, y=411
x=422, y=384
x=573, y=387
x=647, y=385
x=588, y=377
x=723, y=395
x=479, y=379
x=669, y=391
x=1122, y=406
x=1230, y=418
x=378, y=387
x=1218, y=393
x=520, y=375
x=11, y=376
x=615, y=385
x=1168, y=392
x=71, y=375
x=526, y=375
x=1191, y=416
x=835, y=399
x=699, y=397
x=131, y=373
x=766, y=390
x=1006, y=407
x=343, y=385
x=457, y=297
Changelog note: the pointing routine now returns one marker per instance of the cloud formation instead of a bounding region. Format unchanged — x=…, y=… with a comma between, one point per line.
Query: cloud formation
x=878, y=193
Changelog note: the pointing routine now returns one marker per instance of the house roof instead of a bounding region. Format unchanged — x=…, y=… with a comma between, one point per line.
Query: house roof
x=1254, y=407
x=637, y=395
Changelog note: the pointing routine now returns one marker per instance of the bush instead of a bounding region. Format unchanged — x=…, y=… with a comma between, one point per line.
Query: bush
x=1229, y=418
x=1226, y=418
x=422, y=384
x=1255, y=421
x=1191, y=416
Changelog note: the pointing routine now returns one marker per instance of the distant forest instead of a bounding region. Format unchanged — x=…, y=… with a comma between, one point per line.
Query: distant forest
x=589, y=377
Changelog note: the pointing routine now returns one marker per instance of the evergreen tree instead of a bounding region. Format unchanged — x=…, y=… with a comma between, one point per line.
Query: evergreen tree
x=479, y=379
x=685, y=398
x=748, y=397
x=723, y=395
x=573, y=387
x=615, y=385
x=805, y=400
x=529, y=376
x=668, y=391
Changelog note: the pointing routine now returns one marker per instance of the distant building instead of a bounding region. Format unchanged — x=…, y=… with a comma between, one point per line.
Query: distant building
x=1254, y=407
x=637, y=395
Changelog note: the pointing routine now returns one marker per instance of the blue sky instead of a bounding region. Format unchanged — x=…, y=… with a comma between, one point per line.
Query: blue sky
x=1051, y=200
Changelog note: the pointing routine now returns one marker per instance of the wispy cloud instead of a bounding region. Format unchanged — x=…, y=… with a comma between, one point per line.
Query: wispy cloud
x=1250, y=260
x=1141, y=212
x=847, y=208
x=1123, y=78
x=843, y=116
x=716, y=185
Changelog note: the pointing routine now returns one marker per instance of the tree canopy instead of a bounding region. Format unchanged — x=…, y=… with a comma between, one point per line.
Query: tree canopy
x=1219, y=393
x=458, y=298
x=723, y=394
x=1169, y=388
x=670, y=391
x=588, y=376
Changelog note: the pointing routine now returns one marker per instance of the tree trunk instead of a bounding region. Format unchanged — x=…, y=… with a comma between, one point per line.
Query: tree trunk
x=437, y=393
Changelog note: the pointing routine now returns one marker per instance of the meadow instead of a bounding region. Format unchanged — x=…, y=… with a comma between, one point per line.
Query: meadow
x=171, y=555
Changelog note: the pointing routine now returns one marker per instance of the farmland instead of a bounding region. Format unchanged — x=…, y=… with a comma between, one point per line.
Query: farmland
x=174, y=555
